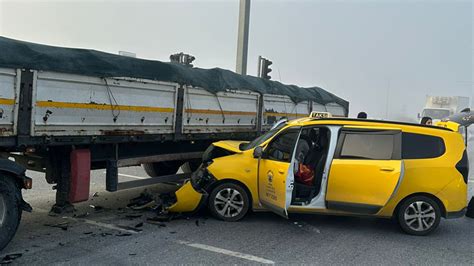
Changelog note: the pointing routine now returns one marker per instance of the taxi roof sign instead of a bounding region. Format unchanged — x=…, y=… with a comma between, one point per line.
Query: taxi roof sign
x=316, y=114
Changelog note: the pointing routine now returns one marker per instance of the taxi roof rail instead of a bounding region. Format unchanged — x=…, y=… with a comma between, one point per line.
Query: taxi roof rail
x=381, y=121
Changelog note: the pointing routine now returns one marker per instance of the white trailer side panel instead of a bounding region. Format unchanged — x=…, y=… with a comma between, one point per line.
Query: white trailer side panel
x=317, y=107
x=230, y=111
x=71, y=105
x=277, y=107
x=335, y=109
x=9, y=86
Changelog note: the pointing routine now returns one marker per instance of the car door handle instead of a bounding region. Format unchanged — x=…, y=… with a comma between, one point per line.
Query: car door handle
x=387, y=169
x=281, y=171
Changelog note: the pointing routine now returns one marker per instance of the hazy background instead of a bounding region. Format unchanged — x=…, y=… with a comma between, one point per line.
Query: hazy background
x=382, y=56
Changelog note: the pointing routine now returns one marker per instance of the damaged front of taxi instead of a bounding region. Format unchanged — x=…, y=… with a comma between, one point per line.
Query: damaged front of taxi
x=194, y=193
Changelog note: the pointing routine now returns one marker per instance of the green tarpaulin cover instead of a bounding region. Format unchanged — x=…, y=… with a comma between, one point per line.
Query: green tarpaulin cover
x=20, y=54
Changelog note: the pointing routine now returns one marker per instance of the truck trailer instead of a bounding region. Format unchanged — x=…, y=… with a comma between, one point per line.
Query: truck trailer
x=65, y=112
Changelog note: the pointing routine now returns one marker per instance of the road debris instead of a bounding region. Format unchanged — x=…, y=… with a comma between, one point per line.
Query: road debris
x=123, y=234
x=97, y=208
x=155, y=221
x=64, y=225
x=82, y=215
x=10, y=258
x=95, y=195
x=142, y=198
x=133, y=216
x=307, y=227
x=131, y=228
x=144, y=201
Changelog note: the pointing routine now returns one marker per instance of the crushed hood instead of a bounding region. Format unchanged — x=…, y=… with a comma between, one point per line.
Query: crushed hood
x=230, y=145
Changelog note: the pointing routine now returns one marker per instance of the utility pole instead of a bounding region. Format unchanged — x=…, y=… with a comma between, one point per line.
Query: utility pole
x=243, y=37
x=387, y=101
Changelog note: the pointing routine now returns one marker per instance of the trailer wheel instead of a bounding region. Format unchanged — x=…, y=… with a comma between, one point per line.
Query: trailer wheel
x=191, y=166
x=162, y=168
x=10, y=212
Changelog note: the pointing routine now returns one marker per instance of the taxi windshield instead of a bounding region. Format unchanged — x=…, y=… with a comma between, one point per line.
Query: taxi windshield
x=261, y=139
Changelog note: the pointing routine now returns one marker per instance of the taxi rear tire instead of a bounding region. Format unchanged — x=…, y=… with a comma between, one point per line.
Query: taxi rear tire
x=229, y=202
x=419, y=215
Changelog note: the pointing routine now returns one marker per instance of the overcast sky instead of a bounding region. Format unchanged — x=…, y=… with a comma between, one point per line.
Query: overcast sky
x=368, y=52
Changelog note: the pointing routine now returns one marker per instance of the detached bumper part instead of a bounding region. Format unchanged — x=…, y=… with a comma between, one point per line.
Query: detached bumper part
x=187, y=199
x=192, y=195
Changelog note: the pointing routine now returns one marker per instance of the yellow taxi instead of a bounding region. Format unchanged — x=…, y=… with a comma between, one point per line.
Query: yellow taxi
x=413, y=173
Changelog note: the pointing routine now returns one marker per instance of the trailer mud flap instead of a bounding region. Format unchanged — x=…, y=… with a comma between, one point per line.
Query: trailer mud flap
x=80, y=175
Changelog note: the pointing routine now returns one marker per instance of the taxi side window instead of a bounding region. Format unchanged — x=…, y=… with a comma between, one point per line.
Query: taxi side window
x=281, y=148
x=369, y=146
x=419, y=146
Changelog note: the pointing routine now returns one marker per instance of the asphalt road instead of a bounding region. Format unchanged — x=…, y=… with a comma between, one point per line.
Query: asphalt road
x=102, y=238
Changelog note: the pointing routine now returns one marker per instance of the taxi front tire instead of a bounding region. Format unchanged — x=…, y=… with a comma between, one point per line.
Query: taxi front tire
x=419, y=215
x=229, y=202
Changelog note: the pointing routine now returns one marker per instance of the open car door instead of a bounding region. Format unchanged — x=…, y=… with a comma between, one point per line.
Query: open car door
x=459, y=122
x=275, y=172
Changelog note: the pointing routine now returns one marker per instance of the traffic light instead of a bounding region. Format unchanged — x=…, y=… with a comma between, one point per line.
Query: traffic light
x=264, y=67
x=182, y=58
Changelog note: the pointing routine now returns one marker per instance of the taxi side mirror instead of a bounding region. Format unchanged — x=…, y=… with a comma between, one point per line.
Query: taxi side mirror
x=258, y=152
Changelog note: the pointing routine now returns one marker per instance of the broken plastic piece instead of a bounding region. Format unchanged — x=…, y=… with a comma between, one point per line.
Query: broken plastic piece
x=97, y=208
x=133, y=216
x=123, y=234
x=10, y=258
x=64, y=225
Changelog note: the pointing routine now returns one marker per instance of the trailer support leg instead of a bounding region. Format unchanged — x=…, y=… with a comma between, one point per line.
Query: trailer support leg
x=111, y=177
x=63, y=186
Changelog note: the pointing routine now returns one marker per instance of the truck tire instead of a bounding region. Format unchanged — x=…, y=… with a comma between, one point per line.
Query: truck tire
x=162, y=168
x=10, y=212
x=191, y=166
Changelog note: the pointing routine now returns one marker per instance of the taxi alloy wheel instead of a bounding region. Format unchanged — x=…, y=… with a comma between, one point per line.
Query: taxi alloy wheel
x=229, y=202
x=419, y=215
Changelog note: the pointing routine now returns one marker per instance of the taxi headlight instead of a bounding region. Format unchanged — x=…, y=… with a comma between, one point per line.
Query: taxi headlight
x=201, y=179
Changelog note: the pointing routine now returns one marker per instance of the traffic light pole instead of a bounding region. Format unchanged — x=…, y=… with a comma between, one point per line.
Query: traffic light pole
x=243, y=38
x=259, y=67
